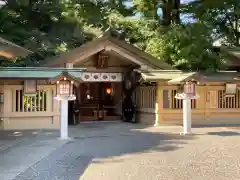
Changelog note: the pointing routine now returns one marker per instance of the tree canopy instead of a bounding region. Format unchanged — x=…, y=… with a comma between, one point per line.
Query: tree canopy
x=180, y=34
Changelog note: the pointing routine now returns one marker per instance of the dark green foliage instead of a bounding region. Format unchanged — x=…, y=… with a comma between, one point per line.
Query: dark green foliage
x=49, y=27
x=222, y=15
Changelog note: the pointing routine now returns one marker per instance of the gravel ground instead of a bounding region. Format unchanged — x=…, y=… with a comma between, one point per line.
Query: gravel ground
x=213, y=153
x=123, y=152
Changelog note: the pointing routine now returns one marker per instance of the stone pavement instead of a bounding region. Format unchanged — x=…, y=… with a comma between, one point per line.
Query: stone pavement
x=120, y=151
x=20, y=150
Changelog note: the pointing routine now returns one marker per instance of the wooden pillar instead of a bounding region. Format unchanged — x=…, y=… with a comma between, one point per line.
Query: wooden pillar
x=7, y=106
x=49, y=100
x=78, y=98
x=1, y=109
x=159, y=104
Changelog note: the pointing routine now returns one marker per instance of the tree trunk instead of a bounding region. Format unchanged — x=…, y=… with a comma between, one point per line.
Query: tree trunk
x=166, y=9
x=171, y=12
x=176, y=14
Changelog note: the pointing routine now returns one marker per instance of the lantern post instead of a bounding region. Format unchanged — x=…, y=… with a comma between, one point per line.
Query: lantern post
x=189, y=93
x=64, y=89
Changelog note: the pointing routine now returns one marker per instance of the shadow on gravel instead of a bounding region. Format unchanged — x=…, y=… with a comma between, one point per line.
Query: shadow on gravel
x=224, y=133
x=217, y=125
x=95, y=142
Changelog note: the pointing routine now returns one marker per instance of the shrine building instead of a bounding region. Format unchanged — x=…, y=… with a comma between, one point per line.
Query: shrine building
x=100, y=74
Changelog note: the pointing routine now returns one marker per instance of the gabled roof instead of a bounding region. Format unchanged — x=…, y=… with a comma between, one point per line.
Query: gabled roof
x=108, y=43
x=11, y=50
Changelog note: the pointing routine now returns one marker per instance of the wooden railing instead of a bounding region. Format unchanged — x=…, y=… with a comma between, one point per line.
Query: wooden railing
x=216, y=99
x=225, y=102
x=30, y=103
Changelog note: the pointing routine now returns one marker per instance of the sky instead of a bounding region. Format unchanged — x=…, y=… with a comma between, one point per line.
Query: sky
x=185, y=18
x=129, y=3
x=185, y=1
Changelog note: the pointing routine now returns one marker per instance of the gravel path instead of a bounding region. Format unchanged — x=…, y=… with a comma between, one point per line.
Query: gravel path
x=204, y=157
x=121, y=152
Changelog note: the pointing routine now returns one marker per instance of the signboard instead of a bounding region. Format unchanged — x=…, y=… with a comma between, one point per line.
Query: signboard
x=102, y=60
x=230, y=90
x=30, y=87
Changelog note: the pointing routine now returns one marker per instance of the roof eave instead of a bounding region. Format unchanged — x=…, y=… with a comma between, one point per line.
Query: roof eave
x=191, y=77
x=14, y=49
x=45, y=73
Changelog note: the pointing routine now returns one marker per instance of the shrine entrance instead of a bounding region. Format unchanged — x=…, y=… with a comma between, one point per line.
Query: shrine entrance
x=100, y=101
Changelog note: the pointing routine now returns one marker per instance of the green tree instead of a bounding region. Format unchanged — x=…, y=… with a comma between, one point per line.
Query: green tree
x=167, y=12
x=52, y=26
x=187, y=47
x=223, y=16
x=39, y=25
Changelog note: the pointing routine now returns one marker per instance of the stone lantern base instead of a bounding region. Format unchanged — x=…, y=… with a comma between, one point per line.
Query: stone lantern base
x=187, y=120
x=64, y=115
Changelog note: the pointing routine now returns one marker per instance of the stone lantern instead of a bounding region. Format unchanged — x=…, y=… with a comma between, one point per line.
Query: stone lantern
x=188, y=93
x=64, y=89
x=64, y=92
x=189, y=88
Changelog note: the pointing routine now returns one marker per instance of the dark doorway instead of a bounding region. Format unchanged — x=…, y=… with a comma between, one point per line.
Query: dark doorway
x=105, y=100
x=70, y=113
x=98, y=101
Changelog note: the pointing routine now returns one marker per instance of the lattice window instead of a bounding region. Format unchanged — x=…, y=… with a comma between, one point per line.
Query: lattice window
x=228, y=102
x=31, y=103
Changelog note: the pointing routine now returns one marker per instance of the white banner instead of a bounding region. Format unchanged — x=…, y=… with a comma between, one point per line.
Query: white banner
x=101, y=77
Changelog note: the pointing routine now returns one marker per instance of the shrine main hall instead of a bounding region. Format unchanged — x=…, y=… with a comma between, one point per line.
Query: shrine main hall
x=100, y=75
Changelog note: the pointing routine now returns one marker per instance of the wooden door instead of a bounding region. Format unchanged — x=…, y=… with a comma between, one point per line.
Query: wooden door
x=98, y=101
x=89, y=101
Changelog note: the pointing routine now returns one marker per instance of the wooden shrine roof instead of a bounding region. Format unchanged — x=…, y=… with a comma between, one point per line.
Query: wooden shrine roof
x=102, y=44
x=35, y=72
x=180, y=77
x=11, y=50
